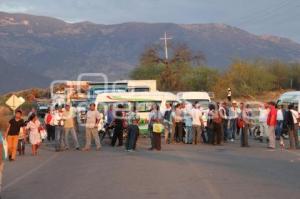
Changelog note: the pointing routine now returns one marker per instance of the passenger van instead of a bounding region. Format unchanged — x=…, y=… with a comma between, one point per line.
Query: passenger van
x=201, y=97
x=143, y=102
x=292, y=97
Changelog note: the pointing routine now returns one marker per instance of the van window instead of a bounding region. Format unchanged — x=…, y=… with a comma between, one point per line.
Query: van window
x=203, y=103
x=145, y=106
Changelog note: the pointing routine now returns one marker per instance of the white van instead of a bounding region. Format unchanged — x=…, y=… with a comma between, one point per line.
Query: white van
x=192, y=97
x=292, y=97
x=143, y=102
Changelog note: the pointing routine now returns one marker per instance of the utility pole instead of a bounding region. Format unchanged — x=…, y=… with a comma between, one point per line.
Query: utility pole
x=165, y=38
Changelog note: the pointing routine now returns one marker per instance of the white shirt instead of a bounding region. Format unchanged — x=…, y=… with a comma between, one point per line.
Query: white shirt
x=58, y=118
x=196, y=115
x=233, y=113
x=223, y=111
x=263, y=115
x=295, y=116
x=91, y=118
x=279, y=115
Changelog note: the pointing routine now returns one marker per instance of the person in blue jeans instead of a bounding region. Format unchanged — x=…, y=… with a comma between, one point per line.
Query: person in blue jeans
x=133, y=133
x=188, y=121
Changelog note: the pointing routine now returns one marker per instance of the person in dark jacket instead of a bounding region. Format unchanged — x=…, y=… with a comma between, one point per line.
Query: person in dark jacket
x=118, y=127
x=292, y=124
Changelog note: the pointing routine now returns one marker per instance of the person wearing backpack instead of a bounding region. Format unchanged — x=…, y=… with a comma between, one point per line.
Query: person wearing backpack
x=169, y=134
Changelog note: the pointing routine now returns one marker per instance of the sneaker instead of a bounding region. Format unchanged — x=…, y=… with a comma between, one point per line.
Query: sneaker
x=77, y=148
x=232, y=140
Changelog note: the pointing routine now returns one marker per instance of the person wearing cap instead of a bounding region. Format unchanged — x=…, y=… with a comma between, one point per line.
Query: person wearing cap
x=59, y=128
x=91, y=128
x=69, y=127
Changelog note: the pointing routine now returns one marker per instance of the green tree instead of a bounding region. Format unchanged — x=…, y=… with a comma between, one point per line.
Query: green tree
x=245, y=78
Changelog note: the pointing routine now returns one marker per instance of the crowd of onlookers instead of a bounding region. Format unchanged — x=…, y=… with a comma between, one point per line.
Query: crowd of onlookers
x=178, y=123
x=223, y=122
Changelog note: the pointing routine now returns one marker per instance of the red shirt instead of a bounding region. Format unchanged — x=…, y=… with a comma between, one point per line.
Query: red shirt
x=272, y=117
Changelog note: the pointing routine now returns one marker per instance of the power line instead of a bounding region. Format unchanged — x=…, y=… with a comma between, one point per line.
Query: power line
x=264, y=14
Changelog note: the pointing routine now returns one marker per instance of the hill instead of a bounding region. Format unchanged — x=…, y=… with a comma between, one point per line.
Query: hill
x=53, y=49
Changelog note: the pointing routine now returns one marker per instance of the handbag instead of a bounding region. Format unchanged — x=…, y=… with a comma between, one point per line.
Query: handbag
x=43, y=134
x=240, y=123
x=158, y=128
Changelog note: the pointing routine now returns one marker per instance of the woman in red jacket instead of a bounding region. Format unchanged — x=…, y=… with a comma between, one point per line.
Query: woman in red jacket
x=272, y=122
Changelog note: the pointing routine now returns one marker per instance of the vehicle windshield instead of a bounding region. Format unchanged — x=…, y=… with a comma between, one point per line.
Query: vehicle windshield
x=203, y=103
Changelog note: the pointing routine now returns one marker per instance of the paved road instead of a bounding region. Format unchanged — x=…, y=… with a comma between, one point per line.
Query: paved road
x=179, y=171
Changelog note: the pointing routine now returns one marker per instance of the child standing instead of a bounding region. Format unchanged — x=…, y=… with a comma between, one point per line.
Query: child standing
x=21, y=142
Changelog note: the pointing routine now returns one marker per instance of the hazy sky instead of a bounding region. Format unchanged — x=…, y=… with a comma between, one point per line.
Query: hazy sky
x=277, y=17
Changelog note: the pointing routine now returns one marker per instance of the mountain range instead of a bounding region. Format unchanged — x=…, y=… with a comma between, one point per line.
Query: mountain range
x=35, y=50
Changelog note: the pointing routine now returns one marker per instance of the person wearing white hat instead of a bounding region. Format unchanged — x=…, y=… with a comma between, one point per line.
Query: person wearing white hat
x=233, y=116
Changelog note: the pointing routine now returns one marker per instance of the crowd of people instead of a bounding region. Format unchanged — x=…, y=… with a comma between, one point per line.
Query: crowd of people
x=178, y=123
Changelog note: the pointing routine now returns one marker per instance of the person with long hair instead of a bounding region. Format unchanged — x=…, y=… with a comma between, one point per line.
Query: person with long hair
x=34, y=126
